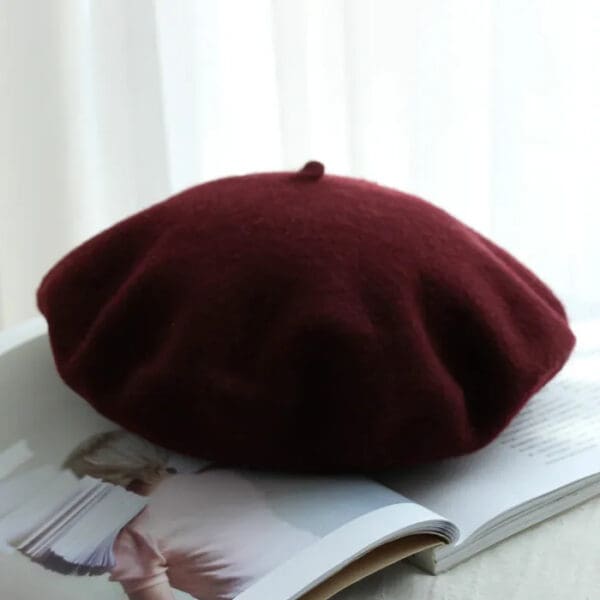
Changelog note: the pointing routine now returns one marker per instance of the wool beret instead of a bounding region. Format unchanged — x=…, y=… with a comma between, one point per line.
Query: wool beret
x=304, y=321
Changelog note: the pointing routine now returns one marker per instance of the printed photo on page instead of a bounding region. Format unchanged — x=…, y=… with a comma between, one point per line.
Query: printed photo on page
x=151, y=521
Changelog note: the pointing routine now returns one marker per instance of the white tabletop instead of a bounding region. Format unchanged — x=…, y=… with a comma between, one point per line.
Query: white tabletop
x=556, y=560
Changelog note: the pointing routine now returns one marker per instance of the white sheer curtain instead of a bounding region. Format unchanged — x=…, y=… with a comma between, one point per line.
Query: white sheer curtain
x=489, y=108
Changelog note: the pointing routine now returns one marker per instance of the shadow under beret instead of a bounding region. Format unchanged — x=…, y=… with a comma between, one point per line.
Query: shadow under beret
x=303, y=321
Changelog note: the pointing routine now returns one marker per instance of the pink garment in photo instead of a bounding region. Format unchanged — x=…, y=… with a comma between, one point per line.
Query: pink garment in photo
x=210, y=534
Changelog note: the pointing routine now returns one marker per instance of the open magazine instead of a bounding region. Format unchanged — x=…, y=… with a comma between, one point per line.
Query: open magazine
x=152, y=521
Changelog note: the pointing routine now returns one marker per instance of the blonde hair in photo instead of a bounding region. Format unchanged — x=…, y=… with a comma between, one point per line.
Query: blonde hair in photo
x=119, y=457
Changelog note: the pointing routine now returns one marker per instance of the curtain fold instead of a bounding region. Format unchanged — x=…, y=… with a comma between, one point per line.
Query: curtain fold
x=490, y=109
x=82, y=131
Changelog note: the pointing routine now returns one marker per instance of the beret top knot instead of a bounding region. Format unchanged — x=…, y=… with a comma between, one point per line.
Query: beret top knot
x=302, y=321
x=312, y=170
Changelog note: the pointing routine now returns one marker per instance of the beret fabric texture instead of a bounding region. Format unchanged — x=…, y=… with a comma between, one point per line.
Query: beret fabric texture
x=303, y=321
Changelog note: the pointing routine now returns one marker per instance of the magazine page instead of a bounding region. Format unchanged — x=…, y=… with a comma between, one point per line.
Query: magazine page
x=209, y=531
x=552, y=443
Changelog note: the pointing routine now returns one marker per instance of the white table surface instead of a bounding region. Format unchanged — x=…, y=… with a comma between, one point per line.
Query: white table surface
x=556, y=560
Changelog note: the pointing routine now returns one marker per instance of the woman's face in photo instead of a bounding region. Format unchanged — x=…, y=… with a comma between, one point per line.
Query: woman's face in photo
x=121, y=458
x=145, y=487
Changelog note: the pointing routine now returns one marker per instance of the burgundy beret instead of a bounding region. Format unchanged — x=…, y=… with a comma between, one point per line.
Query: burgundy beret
x=303, y=321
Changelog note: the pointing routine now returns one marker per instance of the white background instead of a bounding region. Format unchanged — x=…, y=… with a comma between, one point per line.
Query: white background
x=489, y=108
